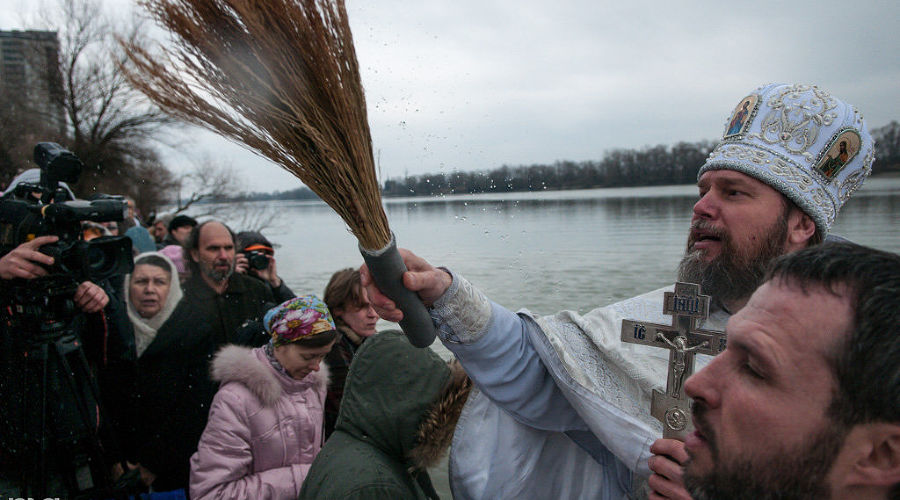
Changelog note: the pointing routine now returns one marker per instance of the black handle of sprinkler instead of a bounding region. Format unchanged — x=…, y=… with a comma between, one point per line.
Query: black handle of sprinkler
x=387, y=268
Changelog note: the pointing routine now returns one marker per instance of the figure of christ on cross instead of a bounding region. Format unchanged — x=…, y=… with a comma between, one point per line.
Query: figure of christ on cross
x=683, y=338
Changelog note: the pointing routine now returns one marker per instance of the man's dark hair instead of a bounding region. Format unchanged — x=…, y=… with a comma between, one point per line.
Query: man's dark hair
x=193, y=243
x=867, y=361
x=181, y=221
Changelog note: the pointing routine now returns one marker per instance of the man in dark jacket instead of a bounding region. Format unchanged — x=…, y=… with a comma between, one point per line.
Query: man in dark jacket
x=397, y=418
x=215, y=292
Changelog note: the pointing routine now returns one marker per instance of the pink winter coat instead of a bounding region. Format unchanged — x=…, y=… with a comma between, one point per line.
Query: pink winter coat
x=264, y=429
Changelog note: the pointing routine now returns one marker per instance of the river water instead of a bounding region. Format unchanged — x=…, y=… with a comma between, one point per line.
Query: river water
x=545, y=251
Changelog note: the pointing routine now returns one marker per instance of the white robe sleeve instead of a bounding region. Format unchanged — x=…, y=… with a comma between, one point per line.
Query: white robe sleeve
x=492, y=344
x=518, y=436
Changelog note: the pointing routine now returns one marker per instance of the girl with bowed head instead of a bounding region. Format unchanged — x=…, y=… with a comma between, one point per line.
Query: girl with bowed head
x=265, y=423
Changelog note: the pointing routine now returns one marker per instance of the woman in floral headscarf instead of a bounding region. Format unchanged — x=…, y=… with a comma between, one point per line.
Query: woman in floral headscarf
x=265, y=423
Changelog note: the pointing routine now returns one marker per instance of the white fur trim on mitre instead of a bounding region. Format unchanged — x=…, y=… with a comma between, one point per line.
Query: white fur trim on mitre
x=239, y=364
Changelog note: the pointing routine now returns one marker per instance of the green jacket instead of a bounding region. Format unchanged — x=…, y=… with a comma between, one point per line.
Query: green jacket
x=390, y=387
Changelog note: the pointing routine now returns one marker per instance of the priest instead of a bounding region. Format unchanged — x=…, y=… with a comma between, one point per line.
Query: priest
x=562, y=408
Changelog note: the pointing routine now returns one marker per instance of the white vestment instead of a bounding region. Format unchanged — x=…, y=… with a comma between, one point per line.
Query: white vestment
x=563, y=405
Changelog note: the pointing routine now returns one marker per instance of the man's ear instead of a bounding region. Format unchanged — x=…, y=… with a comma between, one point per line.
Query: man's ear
x=876, y=460
x=801, y=229
x=195, y=255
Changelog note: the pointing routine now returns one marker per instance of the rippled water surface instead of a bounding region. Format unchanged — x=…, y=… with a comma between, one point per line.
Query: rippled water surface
x=548, y=250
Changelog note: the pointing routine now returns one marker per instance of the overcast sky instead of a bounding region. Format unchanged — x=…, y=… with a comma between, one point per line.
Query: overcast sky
x=470, y=85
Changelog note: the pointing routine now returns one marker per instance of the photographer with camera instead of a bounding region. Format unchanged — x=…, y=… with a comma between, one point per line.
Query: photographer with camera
x=257, y=258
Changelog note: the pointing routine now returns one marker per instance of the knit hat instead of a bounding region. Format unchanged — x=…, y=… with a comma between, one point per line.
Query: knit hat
x=247, y=239
x=33, y=176
x=181, y=221
x=298, y=318
x=801, y=141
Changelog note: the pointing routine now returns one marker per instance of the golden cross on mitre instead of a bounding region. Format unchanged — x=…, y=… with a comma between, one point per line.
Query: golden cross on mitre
x=684, y=339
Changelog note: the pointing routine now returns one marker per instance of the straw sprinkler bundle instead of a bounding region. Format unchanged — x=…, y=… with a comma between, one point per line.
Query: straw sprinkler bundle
x=281, y=78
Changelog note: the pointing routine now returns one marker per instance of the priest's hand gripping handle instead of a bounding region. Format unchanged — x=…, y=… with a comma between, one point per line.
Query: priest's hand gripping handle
x=386, y=267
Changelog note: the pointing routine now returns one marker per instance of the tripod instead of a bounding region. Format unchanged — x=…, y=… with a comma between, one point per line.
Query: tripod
x=60, y=411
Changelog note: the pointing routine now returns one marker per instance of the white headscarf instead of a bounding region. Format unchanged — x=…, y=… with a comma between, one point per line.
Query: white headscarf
x=145, y=328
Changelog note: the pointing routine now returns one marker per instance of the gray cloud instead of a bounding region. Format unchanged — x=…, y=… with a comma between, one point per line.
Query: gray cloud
x=477, y=84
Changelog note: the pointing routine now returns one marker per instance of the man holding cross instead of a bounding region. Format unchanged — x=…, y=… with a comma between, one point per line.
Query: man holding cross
x=563, y=407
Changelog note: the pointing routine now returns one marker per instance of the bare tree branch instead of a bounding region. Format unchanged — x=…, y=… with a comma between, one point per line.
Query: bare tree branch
x=207, y=181
x=113, y=128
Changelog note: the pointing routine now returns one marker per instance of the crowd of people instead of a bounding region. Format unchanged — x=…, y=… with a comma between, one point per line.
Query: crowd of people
x=211, y=377
x=217, y=381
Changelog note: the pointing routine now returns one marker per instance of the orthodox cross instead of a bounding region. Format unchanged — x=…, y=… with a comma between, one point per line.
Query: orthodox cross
x=684, y=339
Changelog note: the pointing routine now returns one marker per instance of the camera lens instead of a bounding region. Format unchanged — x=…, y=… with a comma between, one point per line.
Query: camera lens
x=97, y=259
x=257, y=260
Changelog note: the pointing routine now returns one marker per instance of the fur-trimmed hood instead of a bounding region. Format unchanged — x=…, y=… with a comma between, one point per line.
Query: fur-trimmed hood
x=435, y=431
x=251, y=368
x=402, y=400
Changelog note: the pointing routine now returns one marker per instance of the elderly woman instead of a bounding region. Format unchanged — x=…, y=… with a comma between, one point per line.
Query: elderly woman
x=152, y=293
x=265, y=423
x=173, y=389
x=355, y=318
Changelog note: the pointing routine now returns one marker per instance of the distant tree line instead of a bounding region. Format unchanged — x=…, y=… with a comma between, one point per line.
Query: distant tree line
x=649, y=166
x=301, y=193
x=887, y=148
x=115, y=132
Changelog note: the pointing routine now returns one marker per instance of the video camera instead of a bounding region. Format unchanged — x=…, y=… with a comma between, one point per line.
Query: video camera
x=33, y=210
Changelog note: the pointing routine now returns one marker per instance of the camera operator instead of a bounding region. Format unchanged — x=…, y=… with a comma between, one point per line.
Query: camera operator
x=26, y=262
x=60, y=331
x=257, y=258
x=103, y=345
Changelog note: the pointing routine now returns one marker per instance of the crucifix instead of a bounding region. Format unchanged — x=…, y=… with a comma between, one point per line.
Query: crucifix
x=684, y=339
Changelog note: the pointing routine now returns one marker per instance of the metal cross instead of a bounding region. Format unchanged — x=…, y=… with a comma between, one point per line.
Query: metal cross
x=683, y=338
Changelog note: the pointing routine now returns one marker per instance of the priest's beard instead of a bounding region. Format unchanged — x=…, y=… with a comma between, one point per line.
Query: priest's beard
x=736, y=272
x=797, y=474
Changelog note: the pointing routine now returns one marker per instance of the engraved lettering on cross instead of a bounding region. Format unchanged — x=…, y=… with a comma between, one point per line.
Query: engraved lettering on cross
x=684, y=339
